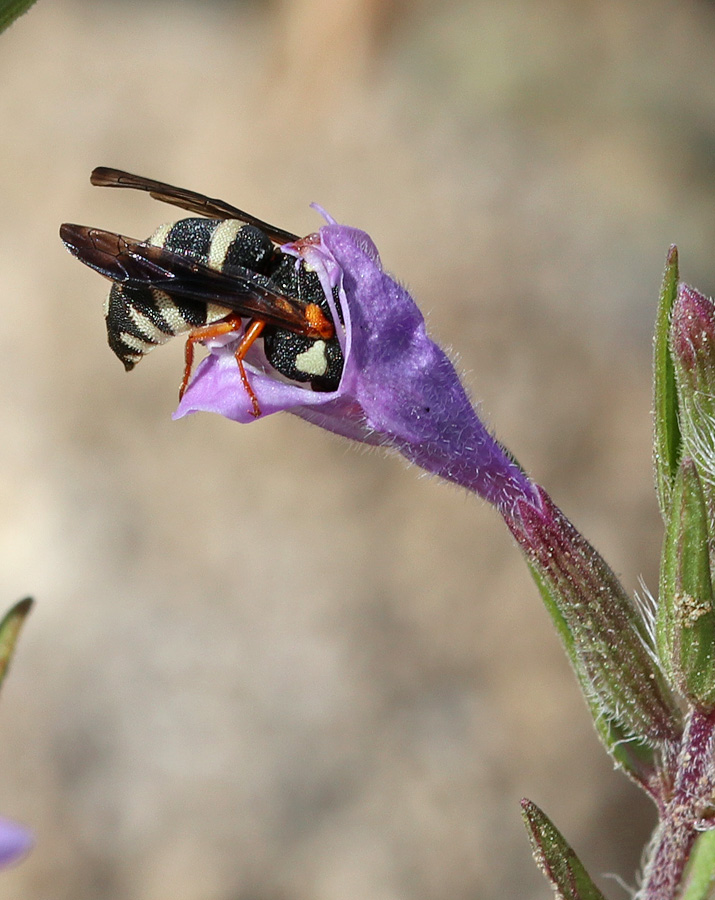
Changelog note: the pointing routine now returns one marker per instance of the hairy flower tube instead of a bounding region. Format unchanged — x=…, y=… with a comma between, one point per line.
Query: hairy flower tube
x=398, y=388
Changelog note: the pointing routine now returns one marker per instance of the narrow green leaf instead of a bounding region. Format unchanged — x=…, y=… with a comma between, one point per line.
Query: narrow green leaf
x=667, y=440
x=11, y=9
x=685, y=623
x=699, y=880
x=555, y=857
x=9, y=630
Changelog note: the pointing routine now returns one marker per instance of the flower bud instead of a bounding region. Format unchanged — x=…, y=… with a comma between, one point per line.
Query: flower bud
x=692, y=341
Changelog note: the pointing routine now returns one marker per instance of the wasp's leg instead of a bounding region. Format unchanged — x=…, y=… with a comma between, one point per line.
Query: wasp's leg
x=253, y=331
x=225, y=326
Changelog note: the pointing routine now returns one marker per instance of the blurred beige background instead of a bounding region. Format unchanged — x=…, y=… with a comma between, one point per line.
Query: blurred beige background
x=265, y=665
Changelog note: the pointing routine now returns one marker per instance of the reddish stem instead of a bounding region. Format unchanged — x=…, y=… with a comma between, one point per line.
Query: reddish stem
x=692, y=794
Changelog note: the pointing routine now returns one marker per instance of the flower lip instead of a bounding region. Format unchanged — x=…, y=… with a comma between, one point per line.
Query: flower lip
x=398, y=388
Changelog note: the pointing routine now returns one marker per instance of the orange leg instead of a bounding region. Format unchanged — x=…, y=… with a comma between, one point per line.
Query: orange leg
x=225, y=326
x=253, y=331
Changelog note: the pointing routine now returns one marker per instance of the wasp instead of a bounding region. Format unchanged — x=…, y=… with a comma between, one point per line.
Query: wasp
x=203, y=277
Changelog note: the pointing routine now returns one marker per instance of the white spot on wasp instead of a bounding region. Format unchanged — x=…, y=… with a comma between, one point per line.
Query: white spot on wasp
x=313, y=361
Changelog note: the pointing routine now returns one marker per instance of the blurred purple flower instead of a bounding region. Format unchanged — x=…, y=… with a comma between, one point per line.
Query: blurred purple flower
x=15, y=842
x=398, y=388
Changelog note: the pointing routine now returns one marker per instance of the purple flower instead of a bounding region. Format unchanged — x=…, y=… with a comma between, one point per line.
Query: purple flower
x=398, y=388
x=15, y=842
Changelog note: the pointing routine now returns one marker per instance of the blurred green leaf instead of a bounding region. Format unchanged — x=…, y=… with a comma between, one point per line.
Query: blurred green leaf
x=699, y=879
x=667, y=440
x=555, y=857
x=11, y=9
x=9, y=630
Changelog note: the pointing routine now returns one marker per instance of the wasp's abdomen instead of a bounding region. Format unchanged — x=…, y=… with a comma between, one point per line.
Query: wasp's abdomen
x=139, y=319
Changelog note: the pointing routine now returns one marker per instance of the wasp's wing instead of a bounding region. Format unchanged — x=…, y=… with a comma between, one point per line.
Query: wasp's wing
x=189, y=200
x=137, y=264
